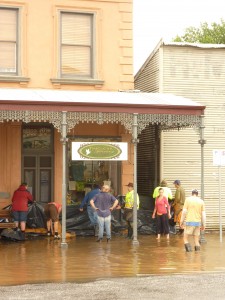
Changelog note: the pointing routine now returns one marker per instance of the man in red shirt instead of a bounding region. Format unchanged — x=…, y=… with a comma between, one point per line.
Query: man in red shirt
x=20, y=200
x=52, y=211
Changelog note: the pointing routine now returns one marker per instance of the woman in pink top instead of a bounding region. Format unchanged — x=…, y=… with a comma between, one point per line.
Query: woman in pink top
x=162, y=213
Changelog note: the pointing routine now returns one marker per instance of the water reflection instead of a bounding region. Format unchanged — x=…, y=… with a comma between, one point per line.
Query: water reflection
x=43, y=260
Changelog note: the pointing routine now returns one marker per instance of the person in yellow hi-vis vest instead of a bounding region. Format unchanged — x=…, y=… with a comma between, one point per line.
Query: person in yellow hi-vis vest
x=128, y=208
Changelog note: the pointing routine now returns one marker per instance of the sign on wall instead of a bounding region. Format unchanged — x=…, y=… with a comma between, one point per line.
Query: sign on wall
x=219, y=157
x=99, y=151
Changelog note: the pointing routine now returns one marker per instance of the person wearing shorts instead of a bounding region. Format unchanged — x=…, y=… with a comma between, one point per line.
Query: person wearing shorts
x=52, y=211
x=21, y=198
x=193, y=220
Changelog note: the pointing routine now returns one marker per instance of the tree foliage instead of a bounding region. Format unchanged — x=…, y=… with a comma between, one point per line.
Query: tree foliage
x=206, y=34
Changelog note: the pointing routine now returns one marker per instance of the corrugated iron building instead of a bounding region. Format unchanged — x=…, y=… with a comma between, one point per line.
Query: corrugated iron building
x=196, y=71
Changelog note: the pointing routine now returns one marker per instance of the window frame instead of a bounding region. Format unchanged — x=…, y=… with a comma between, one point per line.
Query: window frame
x=17, y=42
x=91, y=74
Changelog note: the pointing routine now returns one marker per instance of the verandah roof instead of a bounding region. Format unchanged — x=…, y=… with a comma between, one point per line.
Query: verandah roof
x=43, y=105
x=97, y=101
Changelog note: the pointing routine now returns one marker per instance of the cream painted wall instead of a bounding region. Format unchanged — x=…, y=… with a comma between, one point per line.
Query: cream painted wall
x=39, y=31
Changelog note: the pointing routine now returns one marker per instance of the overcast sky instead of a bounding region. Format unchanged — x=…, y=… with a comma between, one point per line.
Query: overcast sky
x=156, y=19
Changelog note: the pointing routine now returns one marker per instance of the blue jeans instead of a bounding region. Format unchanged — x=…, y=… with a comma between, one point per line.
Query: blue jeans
x=92, y=215
x=104, y=222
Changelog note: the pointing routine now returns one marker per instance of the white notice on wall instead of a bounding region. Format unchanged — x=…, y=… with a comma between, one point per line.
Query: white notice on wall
x=219, y=157
x=72, y=185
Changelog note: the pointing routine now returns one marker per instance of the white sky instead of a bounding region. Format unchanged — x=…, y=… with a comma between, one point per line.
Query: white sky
x=156, y=19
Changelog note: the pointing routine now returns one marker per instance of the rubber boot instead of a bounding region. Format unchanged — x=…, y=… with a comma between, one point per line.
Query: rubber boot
x=197, y=248
x=130, y=233
x=187, y=247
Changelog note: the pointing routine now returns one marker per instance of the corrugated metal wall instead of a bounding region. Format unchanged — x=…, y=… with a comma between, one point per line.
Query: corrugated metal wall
x=147, y=79
x=198, y=74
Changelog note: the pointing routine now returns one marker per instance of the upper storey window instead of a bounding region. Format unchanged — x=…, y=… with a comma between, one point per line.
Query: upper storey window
x=8, y=41
x=76, y=45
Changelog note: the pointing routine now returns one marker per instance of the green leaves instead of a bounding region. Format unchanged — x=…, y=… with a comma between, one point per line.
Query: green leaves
x=206, y=34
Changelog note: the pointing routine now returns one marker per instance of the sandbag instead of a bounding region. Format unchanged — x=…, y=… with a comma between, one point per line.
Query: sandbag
x=36, y=216
x=12, y=235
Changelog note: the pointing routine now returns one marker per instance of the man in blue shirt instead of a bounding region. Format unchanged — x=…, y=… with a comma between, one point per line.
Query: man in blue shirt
x=104, y=203
x=92, y=214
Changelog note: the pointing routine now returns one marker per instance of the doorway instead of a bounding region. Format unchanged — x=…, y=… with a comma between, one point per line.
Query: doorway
x=38, y=161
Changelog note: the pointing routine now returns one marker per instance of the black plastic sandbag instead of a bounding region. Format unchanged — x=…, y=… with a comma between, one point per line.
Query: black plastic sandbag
x=79, y=222
x=12, y=235
x=36, y=216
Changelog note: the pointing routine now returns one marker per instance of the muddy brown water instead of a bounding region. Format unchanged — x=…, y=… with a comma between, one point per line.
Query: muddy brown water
x=41, y=260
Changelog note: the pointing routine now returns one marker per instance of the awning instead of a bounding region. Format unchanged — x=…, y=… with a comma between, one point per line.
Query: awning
x=97, y=101
x=43, y=105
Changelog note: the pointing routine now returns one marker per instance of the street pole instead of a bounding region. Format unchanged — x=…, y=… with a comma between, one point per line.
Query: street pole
x=64, y=141
x=220, y=212
x=135, y=142
x=202, y=142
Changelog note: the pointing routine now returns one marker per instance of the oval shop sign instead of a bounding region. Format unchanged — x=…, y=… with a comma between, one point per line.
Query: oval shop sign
x=99, y=151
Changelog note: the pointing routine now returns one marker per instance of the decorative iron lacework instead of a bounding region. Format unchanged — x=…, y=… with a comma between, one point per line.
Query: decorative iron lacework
x=166, y=122
x=54, y=118
x=73, y=118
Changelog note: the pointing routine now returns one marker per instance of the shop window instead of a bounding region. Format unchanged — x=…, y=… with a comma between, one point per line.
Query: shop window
x=76, y=45
x=82, y=175
x=8, y=41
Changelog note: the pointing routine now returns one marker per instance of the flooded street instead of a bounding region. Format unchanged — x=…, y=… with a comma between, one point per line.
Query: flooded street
x=42, y=260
